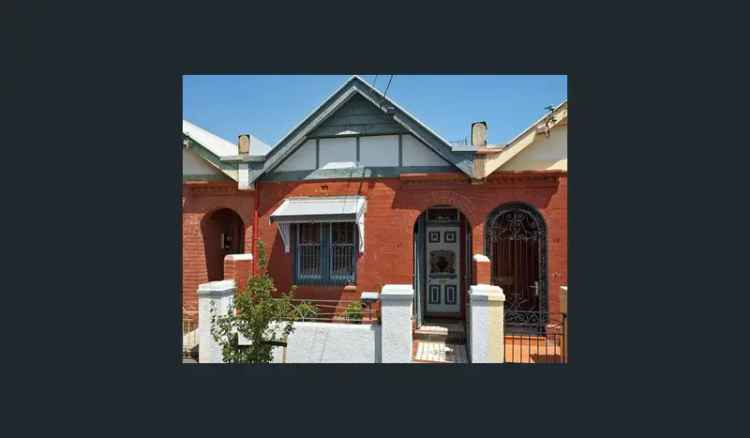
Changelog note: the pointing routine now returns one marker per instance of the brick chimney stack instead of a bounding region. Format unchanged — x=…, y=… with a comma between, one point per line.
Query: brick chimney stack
x=244, y=144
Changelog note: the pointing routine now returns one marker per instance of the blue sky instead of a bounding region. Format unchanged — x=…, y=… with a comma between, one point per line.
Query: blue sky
x=269, y=106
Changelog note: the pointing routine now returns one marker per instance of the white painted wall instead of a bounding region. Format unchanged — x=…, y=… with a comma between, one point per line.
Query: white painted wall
x=379, y=151
x=322, y=342
x=417, y=154
x=194, y=165
x=544, y=154
x=302, y=159
x=333, y=150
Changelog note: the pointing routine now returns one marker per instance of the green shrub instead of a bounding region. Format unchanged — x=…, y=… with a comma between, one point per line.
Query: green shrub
x=353, y=312
x=259, y=316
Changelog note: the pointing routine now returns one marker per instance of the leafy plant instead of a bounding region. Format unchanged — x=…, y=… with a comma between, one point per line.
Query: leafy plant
x=259, y=317
x=353, y=312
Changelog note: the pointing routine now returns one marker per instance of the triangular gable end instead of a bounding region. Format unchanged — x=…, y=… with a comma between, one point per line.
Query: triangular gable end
x=192, y=170
x=350, y=98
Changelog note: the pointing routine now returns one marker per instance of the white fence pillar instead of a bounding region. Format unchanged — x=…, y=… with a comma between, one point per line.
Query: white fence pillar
x=221, y=293
x=395, y=315
x=486, y=324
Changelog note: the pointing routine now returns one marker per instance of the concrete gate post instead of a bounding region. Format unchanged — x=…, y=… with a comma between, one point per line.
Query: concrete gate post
x=221, y=293
x=486, y=323
x=396, y=302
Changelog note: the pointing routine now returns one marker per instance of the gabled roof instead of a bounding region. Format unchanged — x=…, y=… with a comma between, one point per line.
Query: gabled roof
x=356, y=85
x=219, y=146
x=493, y=158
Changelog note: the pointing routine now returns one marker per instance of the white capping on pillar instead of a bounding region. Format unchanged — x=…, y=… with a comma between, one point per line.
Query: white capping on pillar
x=396, y=311
x=486, y=318
x=239, y=257
x=481, y=258
x=221, y=294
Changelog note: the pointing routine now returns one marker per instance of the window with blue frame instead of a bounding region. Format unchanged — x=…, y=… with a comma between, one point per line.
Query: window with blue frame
x=325, y=253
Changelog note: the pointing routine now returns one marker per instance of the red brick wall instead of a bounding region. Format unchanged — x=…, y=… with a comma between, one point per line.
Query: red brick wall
x=199, y=201
x=394, y=205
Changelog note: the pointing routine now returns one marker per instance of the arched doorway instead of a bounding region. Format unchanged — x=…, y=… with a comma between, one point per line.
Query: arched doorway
x=516, y=243
x=442, y=242
x=223, y=233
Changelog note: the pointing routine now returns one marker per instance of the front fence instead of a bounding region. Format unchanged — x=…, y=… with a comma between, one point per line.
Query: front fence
x=189, y=338
x=341, y=311
x=535, y=337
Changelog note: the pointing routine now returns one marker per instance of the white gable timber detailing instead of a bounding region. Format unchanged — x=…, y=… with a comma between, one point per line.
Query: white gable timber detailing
x=195, y=166
x=417, y=154
x=336, y=150
x=378, y=151
x=303, y=158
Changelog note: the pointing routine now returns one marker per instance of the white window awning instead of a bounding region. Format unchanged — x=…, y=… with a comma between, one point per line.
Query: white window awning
x=321, y=209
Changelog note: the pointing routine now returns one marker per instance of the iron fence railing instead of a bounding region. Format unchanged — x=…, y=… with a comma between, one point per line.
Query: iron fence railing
x=342, y=311
x=190, y=338
x=536, y=338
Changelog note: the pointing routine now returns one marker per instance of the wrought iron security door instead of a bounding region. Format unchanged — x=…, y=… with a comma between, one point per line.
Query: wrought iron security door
x=516, y=242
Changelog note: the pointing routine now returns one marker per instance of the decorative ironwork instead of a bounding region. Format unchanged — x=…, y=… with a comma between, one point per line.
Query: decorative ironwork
x=524, y=321
x=442, y=262
x=516, y=244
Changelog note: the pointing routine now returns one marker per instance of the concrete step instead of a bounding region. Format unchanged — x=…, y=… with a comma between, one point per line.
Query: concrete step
x=452, y=333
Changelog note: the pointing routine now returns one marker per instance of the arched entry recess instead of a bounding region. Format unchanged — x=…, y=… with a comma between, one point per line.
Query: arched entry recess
x=442, y=246
x=223, y=234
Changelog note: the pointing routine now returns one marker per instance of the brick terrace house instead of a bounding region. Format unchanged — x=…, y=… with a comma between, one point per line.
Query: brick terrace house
x=362, y=194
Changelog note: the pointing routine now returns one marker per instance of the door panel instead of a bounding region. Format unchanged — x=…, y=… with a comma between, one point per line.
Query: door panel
x=442, y=250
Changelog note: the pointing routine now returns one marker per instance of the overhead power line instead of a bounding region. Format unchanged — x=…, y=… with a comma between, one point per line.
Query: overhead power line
x=388, y=86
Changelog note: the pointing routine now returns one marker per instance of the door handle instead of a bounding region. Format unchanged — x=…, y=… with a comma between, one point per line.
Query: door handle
x=535, y=286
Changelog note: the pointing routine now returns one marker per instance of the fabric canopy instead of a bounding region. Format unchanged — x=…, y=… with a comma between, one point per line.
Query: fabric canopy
x=320, y=209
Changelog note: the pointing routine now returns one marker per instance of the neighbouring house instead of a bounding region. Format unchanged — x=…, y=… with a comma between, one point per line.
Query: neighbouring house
x=361, y=194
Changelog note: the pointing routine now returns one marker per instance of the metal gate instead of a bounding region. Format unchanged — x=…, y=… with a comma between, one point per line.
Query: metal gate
x=516, y=245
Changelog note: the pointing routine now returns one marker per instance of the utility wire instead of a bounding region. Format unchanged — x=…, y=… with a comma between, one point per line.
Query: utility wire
x=375, y=81
x=387, y=86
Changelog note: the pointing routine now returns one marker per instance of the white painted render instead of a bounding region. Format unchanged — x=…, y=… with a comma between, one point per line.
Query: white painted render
x=417, y=154
x=378, y=151
x=546, y=153
x=243, y=171
x=486, y=323
x=193, y=165
x=323, y=342
x=221, y=294
x=334, y=150
x=396, y=313
x=302, y=159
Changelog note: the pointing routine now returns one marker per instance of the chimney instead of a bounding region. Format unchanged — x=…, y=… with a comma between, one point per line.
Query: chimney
x=479, y=134
x=244, y=144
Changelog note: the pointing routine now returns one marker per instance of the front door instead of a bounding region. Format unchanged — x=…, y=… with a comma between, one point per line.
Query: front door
x=442, y=250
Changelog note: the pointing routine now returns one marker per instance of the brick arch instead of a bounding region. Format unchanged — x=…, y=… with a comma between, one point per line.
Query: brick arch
x=244, y=218
x=447, y=197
